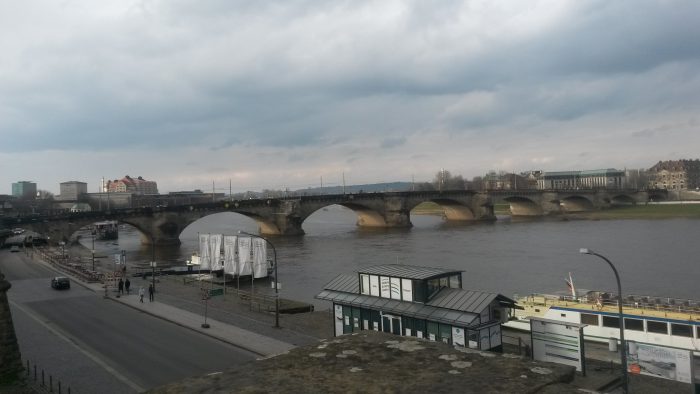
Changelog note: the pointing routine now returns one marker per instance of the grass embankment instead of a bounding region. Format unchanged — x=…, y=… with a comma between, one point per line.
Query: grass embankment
x=653, y=211
x=640, y=211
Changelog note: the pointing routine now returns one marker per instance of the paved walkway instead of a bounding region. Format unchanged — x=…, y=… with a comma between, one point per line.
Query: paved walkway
x=251, y=341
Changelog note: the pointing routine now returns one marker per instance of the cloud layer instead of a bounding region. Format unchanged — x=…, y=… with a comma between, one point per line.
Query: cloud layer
x=279, y=94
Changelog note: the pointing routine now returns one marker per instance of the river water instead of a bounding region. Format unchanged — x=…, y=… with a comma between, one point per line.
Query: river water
x=653, y=257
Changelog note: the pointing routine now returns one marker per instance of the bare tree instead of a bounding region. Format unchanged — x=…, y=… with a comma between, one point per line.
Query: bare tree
x=444, y=180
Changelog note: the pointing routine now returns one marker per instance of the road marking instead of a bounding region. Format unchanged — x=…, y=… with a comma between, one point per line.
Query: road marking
x=81, y=348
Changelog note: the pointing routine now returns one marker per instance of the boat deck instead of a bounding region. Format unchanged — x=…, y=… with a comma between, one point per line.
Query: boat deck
x=633, y=305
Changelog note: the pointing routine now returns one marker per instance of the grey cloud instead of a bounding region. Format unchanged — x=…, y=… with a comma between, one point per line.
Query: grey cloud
x=254, y=75
x=389, y=143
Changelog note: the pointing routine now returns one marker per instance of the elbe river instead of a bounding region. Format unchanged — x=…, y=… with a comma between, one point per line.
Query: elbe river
x=508, y=256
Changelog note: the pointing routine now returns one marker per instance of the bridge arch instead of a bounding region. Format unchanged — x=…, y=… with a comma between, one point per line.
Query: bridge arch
x=623, y=199
x=453, y=210
x=523, y=206
x=576, y=203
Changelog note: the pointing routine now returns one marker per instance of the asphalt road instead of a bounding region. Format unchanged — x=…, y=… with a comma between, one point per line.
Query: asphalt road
x=98, y=345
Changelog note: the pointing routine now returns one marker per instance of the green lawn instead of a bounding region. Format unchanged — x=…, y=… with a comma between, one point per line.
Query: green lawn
x=654, y=211
x=640, y=211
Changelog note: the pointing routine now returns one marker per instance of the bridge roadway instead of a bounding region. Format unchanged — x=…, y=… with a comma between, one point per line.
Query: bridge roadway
x=284, y=216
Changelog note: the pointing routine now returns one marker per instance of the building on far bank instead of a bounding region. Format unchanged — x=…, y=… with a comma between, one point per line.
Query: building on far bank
x=128, y=184
x=421, y=302
x=72, y=190
x=675, y=175
x=608, y=178
x=24, y=189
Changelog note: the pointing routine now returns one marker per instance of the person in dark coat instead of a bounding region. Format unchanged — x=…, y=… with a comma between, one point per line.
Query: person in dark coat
x=127, y=285
x=121, y=286
x=150, y=292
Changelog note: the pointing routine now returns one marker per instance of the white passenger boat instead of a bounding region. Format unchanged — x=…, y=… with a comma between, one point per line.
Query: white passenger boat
x=659, y=321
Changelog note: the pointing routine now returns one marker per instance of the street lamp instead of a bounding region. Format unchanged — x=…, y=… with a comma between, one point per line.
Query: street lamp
x=623, y=353
x=93, y=249
x=277, y=293
x=153, y=263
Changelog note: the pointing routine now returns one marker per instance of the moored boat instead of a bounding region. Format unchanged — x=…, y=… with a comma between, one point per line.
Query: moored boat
x=659, y=321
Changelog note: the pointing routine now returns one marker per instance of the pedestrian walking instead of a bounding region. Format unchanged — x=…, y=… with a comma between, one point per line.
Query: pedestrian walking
x=141, y=292
x=150, y=292
x=121, y=286
x=127, y=285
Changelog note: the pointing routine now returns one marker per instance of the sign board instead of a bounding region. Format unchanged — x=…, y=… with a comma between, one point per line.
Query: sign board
x=458, y=336
x=558, y=342
x=660, y=362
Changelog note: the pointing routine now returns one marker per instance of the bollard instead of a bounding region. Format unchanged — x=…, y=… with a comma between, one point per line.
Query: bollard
x=50, y=384
x=59, y=387
x=27, y=367
x=35, y=372
x=42, y=378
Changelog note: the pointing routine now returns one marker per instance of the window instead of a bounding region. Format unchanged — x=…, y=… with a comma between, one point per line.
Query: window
x=365, y=283
x=681, y=330
x=634, y=324
x=609, y=321
x=657, y=327
x=587, y=318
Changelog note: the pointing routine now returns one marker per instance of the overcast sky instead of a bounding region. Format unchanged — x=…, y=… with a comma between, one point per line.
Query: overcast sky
x=279, y=94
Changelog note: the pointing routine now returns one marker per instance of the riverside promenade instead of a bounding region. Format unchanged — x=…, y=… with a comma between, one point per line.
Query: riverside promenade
x=235, y=319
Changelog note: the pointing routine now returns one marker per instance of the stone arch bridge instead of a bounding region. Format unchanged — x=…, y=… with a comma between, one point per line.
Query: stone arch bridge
x=162, y=225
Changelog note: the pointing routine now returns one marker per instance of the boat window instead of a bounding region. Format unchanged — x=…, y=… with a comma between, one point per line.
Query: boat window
x=609, y=321
x=657, y=327
x=681, y=330
x=634, y=324
x=587, y=318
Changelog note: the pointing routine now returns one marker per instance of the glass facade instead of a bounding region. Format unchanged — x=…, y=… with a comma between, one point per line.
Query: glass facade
x=359, y=319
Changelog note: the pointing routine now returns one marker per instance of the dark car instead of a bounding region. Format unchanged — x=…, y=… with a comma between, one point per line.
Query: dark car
x=60, y=282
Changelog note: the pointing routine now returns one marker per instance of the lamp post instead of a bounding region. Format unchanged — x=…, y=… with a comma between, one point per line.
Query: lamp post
x=623, y=353
x=153, y=264
x=277, y=293
x=93, y=250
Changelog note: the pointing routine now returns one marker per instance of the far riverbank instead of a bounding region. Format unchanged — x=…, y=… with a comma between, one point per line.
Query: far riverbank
x=680, y=210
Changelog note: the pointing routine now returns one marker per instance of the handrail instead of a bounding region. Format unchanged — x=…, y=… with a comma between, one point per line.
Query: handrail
x=644, y=303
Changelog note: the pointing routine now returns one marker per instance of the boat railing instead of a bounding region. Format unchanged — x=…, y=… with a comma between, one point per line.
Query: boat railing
x=601, y=300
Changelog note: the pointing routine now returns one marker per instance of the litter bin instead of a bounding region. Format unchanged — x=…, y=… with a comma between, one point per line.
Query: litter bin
x=612, y=344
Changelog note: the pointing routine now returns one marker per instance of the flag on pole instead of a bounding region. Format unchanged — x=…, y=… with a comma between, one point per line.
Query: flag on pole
x=204, y=250
x=215, y=251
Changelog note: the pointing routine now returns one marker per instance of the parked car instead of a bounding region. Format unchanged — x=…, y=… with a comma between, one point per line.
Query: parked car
x=14, y=249
x=60, y=282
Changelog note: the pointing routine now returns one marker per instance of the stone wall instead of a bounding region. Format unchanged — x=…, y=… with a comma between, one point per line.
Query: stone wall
x=10, y=358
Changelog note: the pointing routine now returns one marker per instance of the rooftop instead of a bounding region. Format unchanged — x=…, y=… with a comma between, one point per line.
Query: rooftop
x=407, y=271
x=374, y=362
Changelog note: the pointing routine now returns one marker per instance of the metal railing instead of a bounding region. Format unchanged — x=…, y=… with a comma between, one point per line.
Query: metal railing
x=602, y=299
x=44, y=381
